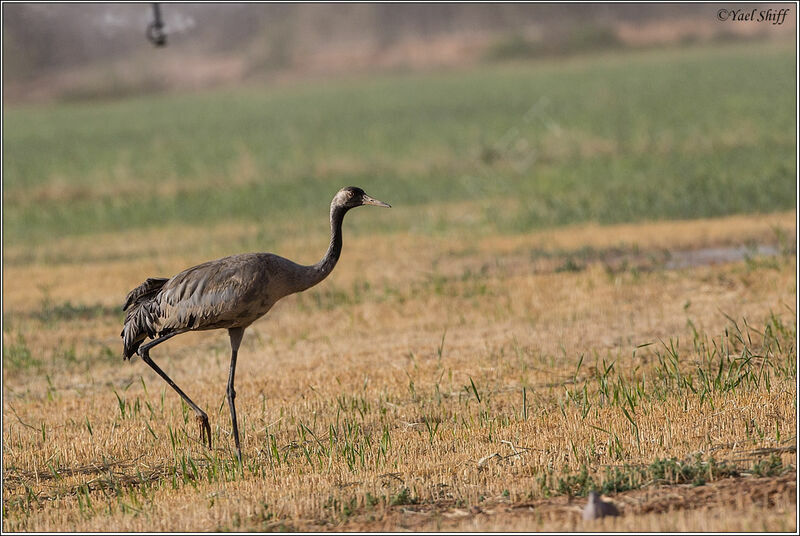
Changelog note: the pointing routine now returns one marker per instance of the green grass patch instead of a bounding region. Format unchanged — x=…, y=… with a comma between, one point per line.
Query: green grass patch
x=695, y=472
x=52, y=313
x=688, y=133
x=17, y=354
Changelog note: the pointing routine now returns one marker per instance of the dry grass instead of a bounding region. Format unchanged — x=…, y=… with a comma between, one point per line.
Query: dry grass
x=456, y=387
x=741, y=505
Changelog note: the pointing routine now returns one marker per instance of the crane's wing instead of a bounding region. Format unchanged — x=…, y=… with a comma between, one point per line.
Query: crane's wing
x=222, y=293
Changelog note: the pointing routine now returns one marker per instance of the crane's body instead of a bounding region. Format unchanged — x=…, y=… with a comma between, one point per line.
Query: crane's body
x=230, y=293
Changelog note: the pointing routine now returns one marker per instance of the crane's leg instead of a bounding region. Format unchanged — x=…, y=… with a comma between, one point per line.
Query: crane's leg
x=144, y=353
x=236, y=339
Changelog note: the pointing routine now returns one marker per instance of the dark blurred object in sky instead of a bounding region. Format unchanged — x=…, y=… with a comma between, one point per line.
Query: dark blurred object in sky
x=155, y=31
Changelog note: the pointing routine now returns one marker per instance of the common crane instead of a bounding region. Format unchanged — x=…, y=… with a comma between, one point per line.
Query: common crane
x=229, y=293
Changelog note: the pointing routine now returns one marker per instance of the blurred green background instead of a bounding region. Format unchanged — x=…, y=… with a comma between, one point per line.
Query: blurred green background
x=524, y=133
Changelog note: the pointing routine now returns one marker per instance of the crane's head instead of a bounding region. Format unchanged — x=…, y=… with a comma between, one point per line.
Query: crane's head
x=353, y=196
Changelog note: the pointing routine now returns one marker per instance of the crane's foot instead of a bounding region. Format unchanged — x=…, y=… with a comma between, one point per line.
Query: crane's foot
x=205, y=430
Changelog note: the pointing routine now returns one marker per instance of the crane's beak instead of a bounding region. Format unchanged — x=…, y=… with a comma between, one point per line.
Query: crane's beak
x=367, y=200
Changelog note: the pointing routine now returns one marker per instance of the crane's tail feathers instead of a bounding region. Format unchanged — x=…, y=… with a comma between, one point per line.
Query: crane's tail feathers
x=142, y=315
x=148, y=289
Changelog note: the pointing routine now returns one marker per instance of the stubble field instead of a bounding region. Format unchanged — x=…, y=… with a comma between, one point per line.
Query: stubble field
x=587, y=280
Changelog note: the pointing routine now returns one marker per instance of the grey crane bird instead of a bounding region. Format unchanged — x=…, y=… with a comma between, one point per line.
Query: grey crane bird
x=229, y=293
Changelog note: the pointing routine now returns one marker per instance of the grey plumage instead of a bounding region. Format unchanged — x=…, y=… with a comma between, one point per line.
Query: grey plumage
x=230, y=293
x=596, y=507
x=142, y=314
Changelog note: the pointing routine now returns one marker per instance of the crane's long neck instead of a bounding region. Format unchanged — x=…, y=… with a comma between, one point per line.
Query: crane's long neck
x=318, y=272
